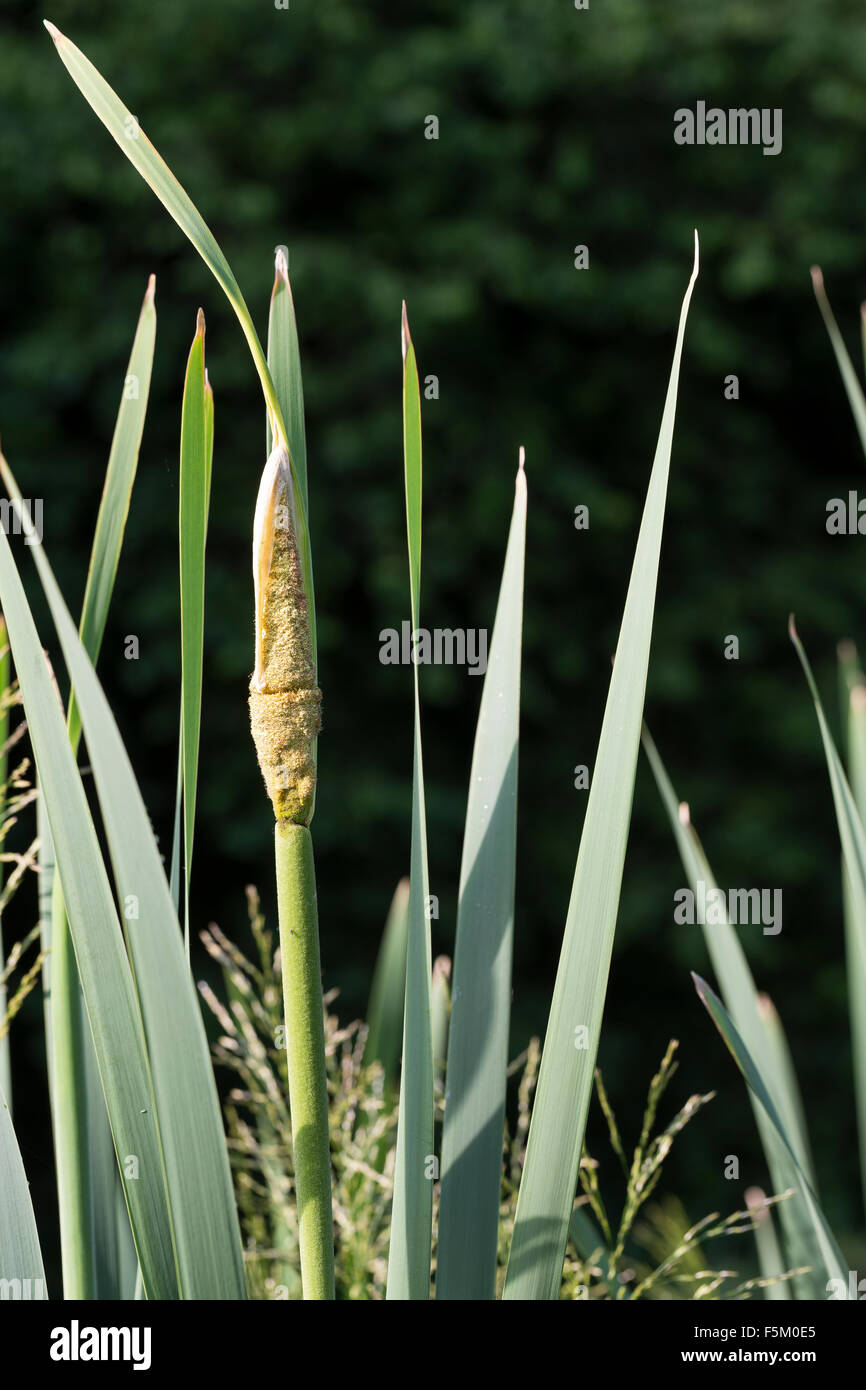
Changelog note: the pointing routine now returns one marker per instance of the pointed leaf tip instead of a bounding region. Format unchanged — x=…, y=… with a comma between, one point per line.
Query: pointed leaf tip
x=405, y=335
x=520, y=479
x=792, y=630
x=199, y=323
x=53, y=30
x=151, y=289
x=817, y=277
x=858, y=697
x=765, y=1005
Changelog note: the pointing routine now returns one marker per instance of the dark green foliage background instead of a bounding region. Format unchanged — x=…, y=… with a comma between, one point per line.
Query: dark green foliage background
x=305, y=126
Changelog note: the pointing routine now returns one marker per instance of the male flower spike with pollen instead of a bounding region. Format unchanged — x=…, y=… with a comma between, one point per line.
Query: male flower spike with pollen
x=285, y=717
x=284, y=700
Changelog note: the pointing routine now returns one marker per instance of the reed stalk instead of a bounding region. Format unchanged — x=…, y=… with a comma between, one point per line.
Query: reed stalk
x=305, y=1053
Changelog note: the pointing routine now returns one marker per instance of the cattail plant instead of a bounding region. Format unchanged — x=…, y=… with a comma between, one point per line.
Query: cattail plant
x=285, y=719
x=135, y=991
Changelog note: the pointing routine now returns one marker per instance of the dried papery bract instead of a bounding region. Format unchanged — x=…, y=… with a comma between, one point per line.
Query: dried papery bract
x=285, y=702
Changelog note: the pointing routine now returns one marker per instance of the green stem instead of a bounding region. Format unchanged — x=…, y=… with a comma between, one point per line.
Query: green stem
x=305, y=1052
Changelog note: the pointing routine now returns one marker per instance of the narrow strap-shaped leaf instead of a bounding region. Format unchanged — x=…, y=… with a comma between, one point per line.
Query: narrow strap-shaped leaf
x=388, y=991
x=412, y=471
x=744, y=1003
x=853, y=389
x=124, y=129
x=834, y=1264
x=102, y=1170
x=71, y=1110
x=117, y=490
x=21, y=1269
x=727, y=955
x=177, y=824
x=128, y=1273
x=45, y=892
x=284, y=361
x=565, y=1079
x=849, y=676
x=481, y=997
x=412, y=1213
x=195, y=470
x=767, y=1246
x=855, y=927
x=584, y=1234
x=5, y=682
x=208, y=438
x=440, y=1015
x=198, y=1180
x=82, y=1137
x=100, y=955
x=791, y=1106
x=851, y=832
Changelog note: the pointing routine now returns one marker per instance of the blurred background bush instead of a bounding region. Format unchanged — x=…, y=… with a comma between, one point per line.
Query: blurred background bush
x=305, y=126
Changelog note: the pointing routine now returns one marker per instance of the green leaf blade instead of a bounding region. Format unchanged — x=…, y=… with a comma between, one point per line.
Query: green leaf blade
x=284, y=361
x=100, y=956
x=481, y=998
x=5, y=688
x=832, y=1257
x=117, y=490
x=196, y=444
x=124, y=129
x=20, y=1252
x=388, y=991
x=853, y=389
x=412, y=1211
x=855, y=925
x=565, y=1079
x=197, y=1176
x=83, y=1148
x=750, y=1016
